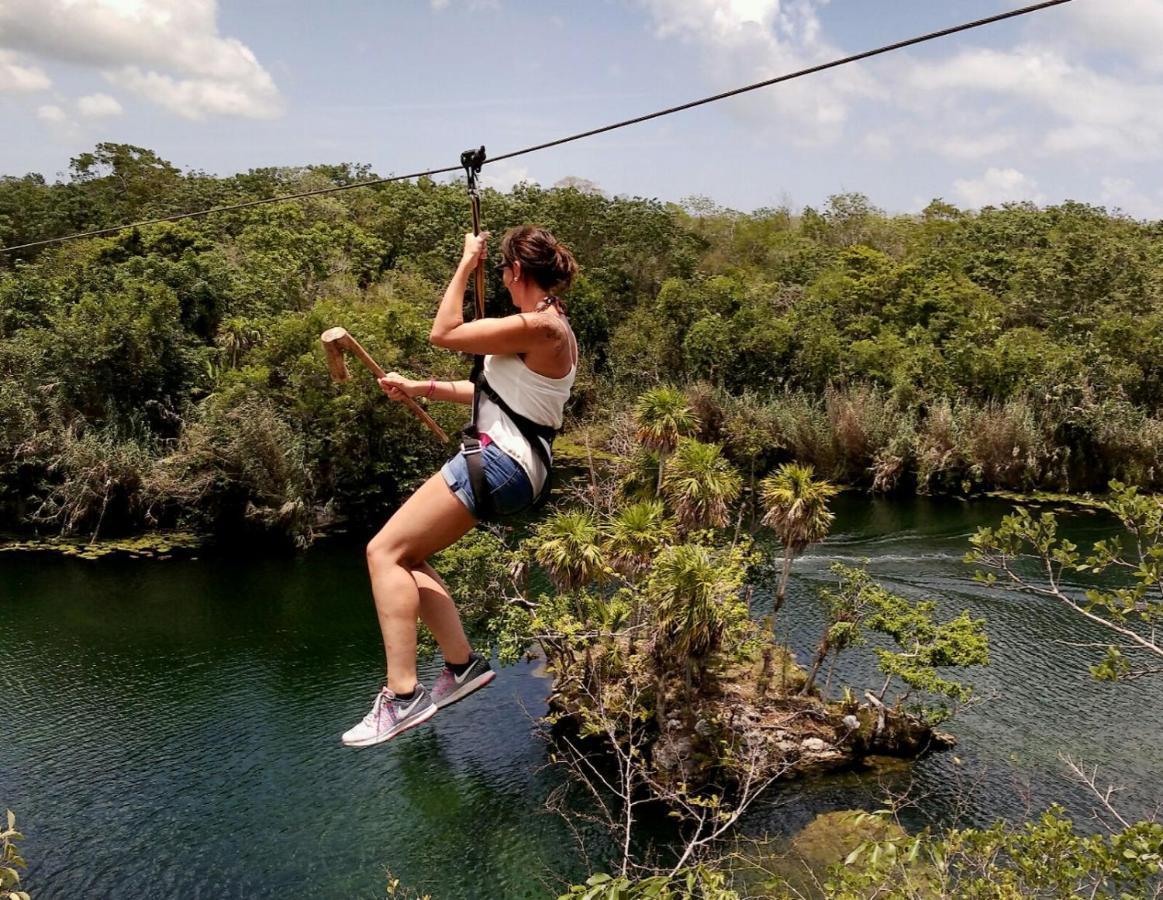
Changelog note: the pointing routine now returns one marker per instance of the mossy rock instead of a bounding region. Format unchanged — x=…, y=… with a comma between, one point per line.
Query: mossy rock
x=780, y=869
x=830, y=837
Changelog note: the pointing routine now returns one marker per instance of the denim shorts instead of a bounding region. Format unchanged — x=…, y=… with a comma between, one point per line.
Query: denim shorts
x=508, y=483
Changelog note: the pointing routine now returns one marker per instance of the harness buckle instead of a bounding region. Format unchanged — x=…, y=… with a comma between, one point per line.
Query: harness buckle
x=470, y=451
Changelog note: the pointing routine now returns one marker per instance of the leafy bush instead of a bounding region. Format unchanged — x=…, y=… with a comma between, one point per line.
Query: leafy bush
x=11, y=861
x=1016, y=347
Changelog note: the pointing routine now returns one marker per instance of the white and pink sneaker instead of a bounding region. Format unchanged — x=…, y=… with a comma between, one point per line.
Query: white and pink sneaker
x=450, y=687
x=391, y=716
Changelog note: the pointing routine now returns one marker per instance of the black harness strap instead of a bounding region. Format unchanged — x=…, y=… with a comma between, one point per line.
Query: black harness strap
x=470, y=446
x=540, y=437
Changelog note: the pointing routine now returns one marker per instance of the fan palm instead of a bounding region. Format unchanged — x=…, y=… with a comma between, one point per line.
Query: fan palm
x=689, y=594
x=663, y=416
x=797, y=511
x=636, y=534
x=701, y=485
x=236, y=336
x=568, y=545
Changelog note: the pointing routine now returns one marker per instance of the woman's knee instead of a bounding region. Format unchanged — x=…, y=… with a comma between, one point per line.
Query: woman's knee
x=380, y=552
x=384, y=550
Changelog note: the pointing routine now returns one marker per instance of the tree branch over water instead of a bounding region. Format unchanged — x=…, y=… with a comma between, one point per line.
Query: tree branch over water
x=1133, y=610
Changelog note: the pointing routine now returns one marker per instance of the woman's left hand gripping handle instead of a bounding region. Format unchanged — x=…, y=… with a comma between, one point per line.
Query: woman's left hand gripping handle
x=397, y=386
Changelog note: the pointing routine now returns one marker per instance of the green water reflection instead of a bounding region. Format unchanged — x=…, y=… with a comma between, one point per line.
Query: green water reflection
x=171, y=728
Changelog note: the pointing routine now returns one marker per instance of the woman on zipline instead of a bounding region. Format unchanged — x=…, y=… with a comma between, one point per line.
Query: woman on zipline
x=530, y=365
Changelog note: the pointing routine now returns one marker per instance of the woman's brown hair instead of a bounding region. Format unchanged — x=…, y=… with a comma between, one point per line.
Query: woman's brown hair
x=542, y=257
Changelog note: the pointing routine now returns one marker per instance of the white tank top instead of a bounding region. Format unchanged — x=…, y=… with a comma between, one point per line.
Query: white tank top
x=536, y=397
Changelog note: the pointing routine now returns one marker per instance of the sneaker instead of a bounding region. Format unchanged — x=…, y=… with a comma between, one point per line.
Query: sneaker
x=451, y=687
x=390, y=716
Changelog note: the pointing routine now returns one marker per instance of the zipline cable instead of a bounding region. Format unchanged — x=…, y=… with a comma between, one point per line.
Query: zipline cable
x=811, y=70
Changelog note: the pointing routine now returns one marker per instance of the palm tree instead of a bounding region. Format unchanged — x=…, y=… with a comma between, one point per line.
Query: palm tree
x=568, y=545
x=691, y=605
x=236, y=336
x=701, y=485
x=636, y=534
x=797, y=510
x=663, y=416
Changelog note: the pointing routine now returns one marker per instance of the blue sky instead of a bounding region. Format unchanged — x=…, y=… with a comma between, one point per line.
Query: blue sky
x=1067, y=103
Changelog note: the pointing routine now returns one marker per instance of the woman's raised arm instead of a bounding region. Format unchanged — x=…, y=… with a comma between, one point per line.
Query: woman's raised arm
x=508, y=334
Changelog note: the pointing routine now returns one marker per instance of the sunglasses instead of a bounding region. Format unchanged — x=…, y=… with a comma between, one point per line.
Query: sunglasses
x=500, y=267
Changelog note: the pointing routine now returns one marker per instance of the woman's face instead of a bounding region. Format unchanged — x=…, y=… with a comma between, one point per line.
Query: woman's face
x=510, y=277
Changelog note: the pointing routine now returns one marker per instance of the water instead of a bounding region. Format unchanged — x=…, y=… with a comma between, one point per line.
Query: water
x=1036, y=700
x=171, y=728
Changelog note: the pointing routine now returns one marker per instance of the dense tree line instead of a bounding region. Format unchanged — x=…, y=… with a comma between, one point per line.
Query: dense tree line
x=171, y=373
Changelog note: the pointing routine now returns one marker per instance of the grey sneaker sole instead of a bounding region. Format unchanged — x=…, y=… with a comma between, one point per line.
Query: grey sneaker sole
x=467, y=688
x=400, y=728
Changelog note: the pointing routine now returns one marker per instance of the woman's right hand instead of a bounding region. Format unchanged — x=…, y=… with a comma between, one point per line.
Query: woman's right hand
x=476, y=248
x=397, y=386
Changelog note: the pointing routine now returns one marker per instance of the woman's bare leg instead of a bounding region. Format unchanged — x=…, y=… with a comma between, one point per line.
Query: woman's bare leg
x=430, y=520
x=439, y=613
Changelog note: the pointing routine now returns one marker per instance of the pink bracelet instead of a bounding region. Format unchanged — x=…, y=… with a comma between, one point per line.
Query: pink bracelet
x=431, y=387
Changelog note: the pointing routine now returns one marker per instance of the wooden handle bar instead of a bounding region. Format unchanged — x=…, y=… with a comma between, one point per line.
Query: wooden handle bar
x=336, y=340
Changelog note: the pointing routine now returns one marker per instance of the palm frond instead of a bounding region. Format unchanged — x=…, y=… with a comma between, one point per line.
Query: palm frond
x=701, y=485
x=797, y=505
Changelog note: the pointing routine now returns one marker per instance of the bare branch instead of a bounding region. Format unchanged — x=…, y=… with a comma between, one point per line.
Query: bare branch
x=1090, y=779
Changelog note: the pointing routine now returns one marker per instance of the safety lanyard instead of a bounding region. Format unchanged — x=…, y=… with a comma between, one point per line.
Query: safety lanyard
x=470, y=444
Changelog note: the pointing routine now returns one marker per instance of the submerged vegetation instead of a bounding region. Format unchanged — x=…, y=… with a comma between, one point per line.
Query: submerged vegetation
x=171, y=376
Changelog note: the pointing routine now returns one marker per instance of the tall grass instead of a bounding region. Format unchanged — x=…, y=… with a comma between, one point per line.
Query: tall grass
x=803, y=429
x=872, y=434
x=241, y=463
x=97, y=478
x=860, y=435
x=1007, y=445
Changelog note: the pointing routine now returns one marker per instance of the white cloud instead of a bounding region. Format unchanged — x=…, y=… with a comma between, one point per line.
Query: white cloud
x=1091, y=110
x=743, y=41
x=473, y=5
x=972, y=147
x=1122, y=193
x=169, y=51
x=97, y=106
x=504, y=175
x=193, y=98
x=1053, y=97
x=1133, y=28
x=51, y=114
x=878, y=144
x=58, y=122
x=14, y=76
x=997, y=186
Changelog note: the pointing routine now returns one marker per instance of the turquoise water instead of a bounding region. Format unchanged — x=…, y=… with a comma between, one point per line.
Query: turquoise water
x=170, y=729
